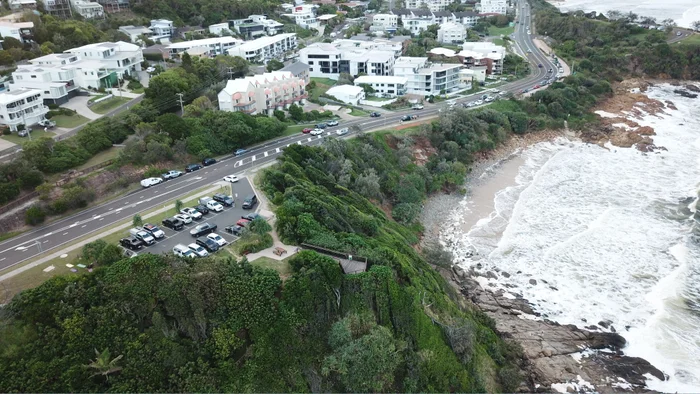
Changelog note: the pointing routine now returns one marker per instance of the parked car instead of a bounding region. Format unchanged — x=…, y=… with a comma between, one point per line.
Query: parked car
x=242, y=222
x=203, y=229
x=215, y=206
x=142, y=235
x=184, y=218
x=321, y=126
x=194, y=214
x=332, y=123
x=171, y=174
x=525, y=90
x=235, y=230
x=418, y=107
x=23, y=133
x=217, y=238
x=47, y=123
x=250, y=202
x=231, y=178
x=183, y=251
x=536, y=87
x=306, y=130
x=316, y=131
x=153, y=230
x=192, y=167
x=343, y=131
x=223, y=199
x=150, y=69
x=678, y=34
x=251, y=216
x=201, y=209
x=209, y=244
x=173, y=223
x=374, y=114
x=148, y=182
x=198, y=250
x=208, y=162
x=240, y=152
x=484, y=96
x=132, y=243
x=489, y=99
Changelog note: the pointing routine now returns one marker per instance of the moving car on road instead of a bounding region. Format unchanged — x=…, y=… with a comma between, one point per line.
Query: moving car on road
x=192, y=167
x=209, y=244
x=131, y=243
x=208, y=162
x=203, y=229
x=194, y=214
x=231, y=178
x=217, y=238
x=223, y=199
x=374, y=114
x=198, y=250
x=183, y=251
x=321, y=126
x=184, y=218
x=240, y=152
x=171, y=174
x=418, y=107
x=332, y=123
x=153, y=230
x=148, y=182
x=173, y=223
x=343, y=131
x=316, y=131
x=306, y=130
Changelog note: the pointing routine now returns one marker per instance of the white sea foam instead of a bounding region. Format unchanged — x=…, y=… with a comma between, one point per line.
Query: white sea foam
x=683, y=12
x=593, y=227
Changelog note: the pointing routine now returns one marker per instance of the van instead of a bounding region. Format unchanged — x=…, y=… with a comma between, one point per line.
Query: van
x=183, y=251
x=250, y=201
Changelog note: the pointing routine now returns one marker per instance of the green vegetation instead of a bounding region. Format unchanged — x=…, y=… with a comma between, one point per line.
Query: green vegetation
x=107, y=105
x=501, y=31
x=38, y=133
x=69, y=121
x=358, y=112
x=106, y=155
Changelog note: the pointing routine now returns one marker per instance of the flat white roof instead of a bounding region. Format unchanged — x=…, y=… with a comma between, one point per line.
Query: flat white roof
x=369, y=79
x=326, y=17
x=263, y=42
x=17, y=25
x=14, y=95
x=345, y=90
x=203, y=42
x=443, y=51
x=407, y=61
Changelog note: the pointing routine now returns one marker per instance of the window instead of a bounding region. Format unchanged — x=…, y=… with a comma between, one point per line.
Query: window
x=34, y=76
x=47, y=92
x=311, y=63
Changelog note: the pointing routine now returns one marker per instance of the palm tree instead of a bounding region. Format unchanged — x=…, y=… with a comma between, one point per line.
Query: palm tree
x=104, y=364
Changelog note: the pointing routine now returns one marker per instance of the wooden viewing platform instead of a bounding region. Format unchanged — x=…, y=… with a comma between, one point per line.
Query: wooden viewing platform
x=348, y=263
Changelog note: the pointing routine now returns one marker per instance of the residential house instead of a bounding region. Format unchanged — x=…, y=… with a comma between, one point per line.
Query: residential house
x=220, y=29
x=387, y=86
x=58, y=82
x=305, y=16
x=88, y=9
x=452, y=33
x=21, y=107
x=22, y=31
x=215, y=46
x=162, y=29
x=467, y=18
x=22, y=4
x=265, y=48
x=135, y=32
x=187, y=32
x=415, y=21
x=328, y=60
x=426, y=78
x=262, y=94
x=493, y=6
x=114, y=6
x=487, y=54
x=272, y=27
x=118, y=57
x=431, y=5
x=384, y=22
x=299, y=70
x=348, y=94
x=256, y=26
x=59, y=8
x=156, y=52
x=441, y=17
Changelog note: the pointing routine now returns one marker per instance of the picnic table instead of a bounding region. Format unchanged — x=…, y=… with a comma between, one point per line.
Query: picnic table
x=279, y=251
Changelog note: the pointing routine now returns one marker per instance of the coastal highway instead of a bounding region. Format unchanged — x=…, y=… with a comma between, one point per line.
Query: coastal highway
x=93, y=220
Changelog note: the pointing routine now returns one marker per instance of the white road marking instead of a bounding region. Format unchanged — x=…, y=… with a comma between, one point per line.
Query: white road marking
x=102, y=218
x=252, y=159
x=265, y=153
x=238, y=163
x=3, y=258
x=309, y=139
x=288, y=145
x=278, y=149
x=83, y=226
x=45, y=241
x=64, y=233
x=299, y=142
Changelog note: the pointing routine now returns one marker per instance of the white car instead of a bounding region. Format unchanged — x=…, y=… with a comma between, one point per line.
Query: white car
x=214, y=206
x=148, y=182
x=316, y=132
x=184, y=218
x=195, y=214
x=231, y=178
x=217, y=238
x=150, y=69
x=183, y=251
x=478, y=102
x=198, y=250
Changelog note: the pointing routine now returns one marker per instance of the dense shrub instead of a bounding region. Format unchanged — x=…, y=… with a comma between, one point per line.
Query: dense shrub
x=34, y=215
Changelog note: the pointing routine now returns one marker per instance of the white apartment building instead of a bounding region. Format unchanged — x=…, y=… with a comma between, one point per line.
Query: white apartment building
x=220, y=29
x=384, y=85
x=265, y=48
x=119, y=57
x=213, y=46
x=88, y=9
x=19, y=30
x=452, y=33
x=271, y=26
x=162, y=29
x=440, y=17
x=384, y=22
x=304, y=16
x=262, y=94
x=22, y=106
x=377, y=44
x=493, y=6
x=58, y=83
x=487, y=54
x=467, y=18
x=416, y=20
x=22, y=4
x=348, y=94
x=425, y=78
x=432, y=5
x=329, y=61
x=135, y=32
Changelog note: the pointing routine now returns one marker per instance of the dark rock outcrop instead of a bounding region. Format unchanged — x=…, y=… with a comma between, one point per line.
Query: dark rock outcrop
x=684, y=93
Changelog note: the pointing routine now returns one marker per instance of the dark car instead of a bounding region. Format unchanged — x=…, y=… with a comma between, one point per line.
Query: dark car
x=208, y=162
x=173, y=223
x=202, y=209
x=251, y=216
x=132, y=243
x=540, y=65
x=209, y=244
x=250, y=201
x=192, y=167
x=203, y=229
x=223, y=199
x=235, y=230
x=321, y=126
x=375, y=115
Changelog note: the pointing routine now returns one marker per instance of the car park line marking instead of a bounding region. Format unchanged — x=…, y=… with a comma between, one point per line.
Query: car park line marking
x=309, y=139
x=65, y=233
x=45, y=241
x=102, y=219
x=83, y=226
x=278, y=149
x=299, y=142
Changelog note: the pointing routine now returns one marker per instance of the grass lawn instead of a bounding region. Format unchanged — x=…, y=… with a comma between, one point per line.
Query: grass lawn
x=69, y=122
x=377, y=99
x=15, y=139
x=324, y=81
x=140, y=90
x=281, y=266
x=101, y=157
x=693, y=39
x=497, y=31
x=499, y=41
x=358, y=112
x=105, y=106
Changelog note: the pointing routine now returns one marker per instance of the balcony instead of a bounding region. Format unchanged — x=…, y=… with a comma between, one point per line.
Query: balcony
x=246, y=104
x=247, y=110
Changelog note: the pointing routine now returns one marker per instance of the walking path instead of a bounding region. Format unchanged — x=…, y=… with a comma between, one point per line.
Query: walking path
x=79, y=104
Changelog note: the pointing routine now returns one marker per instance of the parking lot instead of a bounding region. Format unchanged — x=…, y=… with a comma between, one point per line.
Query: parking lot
x=222, y=219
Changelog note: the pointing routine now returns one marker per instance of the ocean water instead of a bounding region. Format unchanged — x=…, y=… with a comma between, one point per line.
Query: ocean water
x=606, y=235
x=684, y=12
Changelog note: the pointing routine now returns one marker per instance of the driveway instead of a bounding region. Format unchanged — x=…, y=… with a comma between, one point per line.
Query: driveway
x=79, y=105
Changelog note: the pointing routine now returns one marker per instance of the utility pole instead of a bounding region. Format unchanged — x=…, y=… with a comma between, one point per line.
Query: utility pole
x=182, y=108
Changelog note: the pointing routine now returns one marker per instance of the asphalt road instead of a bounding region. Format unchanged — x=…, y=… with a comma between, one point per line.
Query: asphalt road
x=92, y=220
